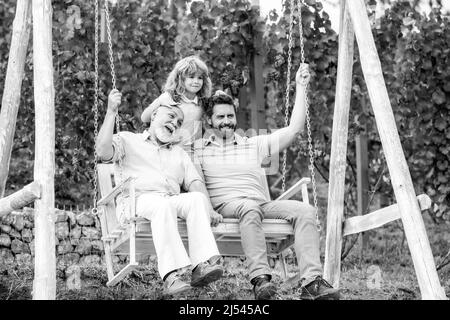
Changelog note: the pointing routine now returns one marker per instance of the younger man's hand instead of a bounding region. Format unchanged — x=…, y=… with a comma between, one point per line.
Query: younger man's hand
x=114, y=100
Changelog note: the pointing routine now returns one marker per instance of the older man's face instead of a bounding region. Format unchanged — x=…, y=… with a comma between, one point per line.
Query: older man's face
x=166, y=123
x=223, y=120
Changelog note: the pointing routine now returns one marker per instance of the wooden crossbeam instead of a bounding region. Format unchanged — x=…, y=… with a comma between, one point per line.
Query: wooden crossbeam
x=380, y=217
x=20, y=199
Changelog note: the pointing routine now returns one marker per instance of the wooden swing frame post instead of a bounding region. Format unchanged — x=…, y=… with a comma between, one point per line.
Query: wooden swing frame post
x=13, y=84
x=44, y=286
x=407, y=203
x=338, y=159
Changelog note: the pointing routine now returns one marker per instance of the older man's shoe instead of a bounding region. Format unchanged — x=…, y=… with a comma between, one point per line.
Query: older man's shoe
x=205, y=273
x=319, y=289
x=173, y=285
x=263, y=288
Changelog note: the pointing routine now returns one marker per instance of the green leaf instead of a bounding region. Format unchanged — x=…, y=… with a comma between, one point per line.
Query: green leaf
x=438, y=96
x=197, y=8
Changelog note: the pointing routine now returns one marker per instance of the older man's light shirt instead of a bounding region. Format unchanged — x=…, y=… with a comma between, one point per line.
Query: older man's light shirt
x=158, y=169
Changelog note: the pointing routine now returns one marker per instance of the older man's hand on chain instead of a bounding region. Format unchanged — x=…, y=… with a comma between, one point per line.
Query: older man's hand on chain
x=114, y=100
x=303, y=76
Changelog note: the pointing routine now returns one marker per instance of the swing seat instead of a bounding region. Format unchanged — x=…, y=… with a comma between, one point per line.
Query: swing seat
x=135, y=239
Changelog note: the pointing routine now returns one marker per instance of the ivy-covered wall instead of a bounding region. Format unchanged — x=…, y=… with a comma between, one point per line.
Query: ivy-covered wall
x=148, y=38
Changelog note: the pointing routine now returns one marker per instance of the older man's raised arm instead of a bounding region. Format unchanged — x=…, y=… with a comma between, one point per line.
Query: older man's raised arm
x=104, y=146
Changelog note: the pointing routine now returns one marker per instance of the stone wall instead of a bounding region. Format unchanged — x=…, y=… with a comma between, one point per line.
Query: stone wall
x=77, y=237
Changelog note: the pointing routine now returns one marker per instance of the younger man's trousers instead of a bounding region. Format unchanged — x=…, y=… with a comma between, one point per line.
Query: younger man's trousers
x=302, y=217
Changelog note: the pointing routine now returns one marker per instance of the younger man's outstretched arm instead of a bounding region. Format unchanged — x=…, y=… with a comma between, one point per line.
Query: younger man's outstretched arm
x=282, y=138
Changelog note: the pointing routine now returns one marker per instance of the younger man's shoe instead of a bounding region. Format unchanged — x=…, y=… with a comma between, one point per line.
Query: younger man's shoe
x=319, y=289
x=173, y=285
x=205, y=273
x=263, y=288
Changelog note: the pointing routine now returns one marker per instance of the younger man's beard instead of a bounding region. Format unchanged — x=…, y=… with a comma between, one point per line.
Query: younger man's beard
x=232, y=127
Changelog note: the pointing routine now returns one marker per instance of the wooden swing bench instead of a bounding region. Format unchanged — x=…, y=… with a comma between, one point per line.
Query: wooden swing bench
x=135, y=239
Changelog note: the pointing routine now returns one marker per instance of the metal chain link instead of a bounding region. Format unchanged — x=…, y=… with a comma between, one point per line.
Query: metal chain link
x=111, y=56
x=308, y=122
x=288, y=87
x=113, y=81
x=95, y=210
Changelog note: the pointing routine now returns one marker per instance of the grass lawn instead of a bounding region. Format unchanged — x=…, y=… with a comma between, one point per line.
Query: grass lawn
x=385, y=273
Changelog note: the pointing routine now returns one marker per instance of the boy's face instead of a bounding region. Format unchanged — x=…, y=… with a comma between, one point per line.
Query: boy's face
x=166, y=123
x=193, y=82
x=223, y=120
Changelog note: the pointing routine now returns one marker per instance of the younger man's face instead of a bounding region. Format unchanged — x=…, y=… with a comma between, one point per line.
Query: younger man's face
x=223, y=120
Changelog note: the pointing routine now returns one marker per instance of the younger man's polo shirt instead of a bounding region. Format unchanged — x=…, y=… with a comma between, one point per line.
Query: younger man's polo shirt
x=233, y=171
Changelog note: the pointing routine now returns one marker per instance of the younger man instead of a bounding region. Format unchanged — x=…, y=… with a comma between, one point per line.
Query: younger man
x=231, y=165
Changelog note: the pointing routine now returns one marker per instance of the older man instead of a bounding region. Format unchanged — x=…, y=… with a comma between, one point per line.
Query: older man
x=231, y=165
x=161, y=169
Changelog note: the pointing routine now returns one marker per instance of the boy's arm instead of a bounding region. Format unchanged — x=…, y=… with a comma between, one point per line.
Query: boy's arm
x=104, y=146
x=164, y=98
x=147, y=113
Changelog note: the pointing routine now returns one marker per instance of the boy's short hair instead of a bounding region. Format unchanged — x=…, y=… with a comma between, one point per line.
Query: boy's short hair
x=219, y=97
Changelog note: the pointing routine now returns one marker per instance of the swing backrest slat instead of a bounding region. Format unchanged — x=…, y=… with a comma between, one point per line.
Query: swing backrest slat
x=108, y=218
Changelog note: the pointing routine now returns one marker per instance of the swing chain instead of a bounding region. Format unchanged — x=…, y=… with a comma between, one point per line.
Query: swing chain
x=95, y=209
x=300, y=31
x=288, y=81
x=113, y=80
x=308, y=122
x=111, y=56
